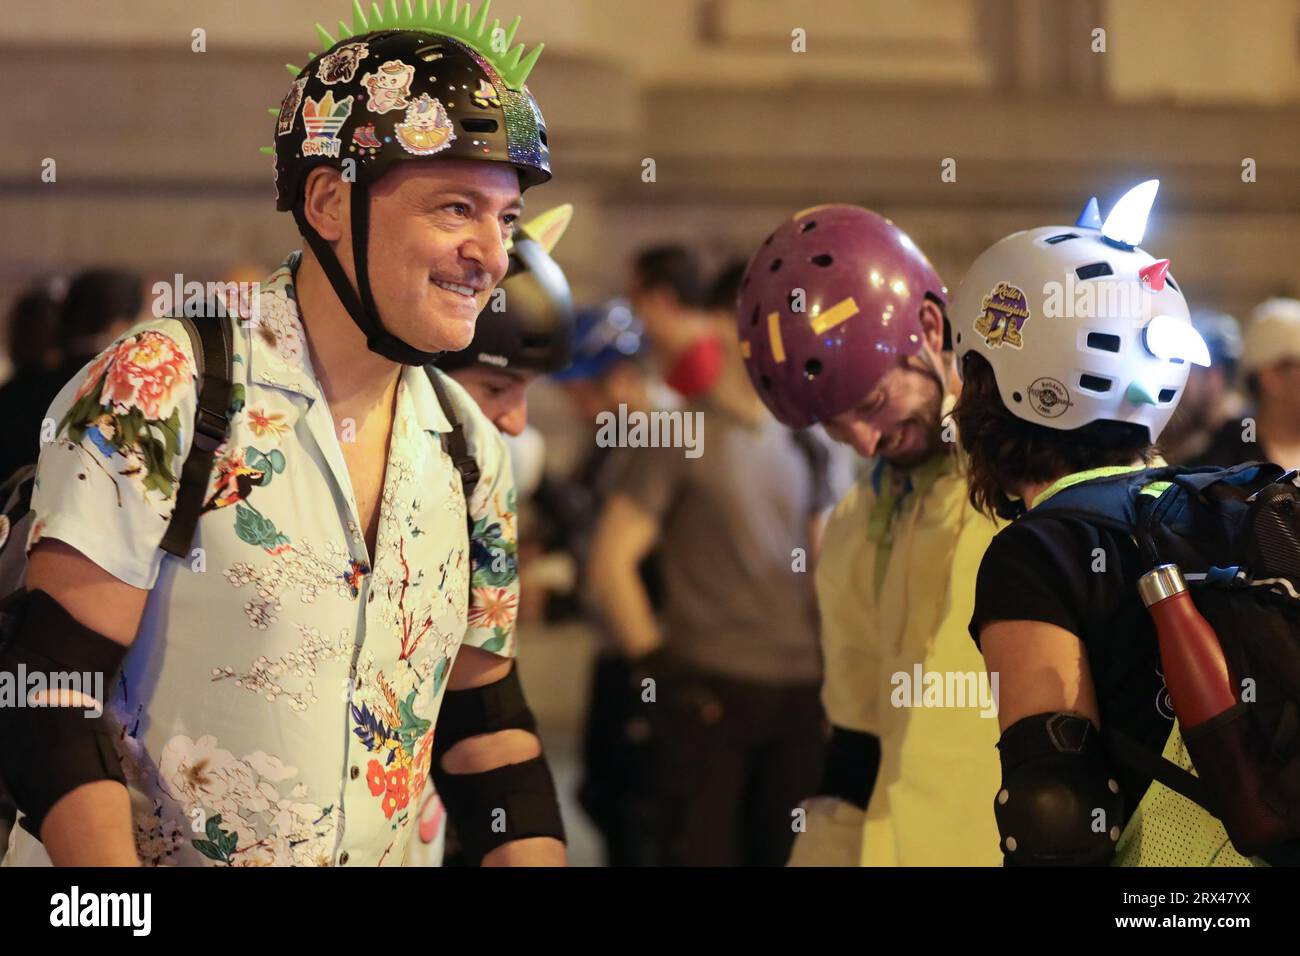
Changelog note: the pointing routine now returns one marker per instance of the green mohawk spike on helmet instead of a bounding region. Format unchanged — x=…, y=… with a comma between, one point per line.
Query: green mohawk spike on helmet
x=403, y=81
x=453, y=19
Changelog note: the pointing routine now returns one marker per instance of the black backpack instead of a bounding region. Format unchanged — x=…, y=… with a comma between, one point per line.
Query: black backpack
x=1235, y=534
x=214, y=359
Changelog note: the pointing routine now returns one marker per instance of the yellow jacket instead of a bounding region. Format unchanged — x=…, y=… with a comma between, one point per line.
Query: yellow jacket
x=896, y=586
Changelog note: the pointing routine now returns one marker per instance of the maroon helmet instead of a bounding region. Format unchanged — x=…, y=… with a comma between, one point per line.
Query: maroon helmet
x=863, y=280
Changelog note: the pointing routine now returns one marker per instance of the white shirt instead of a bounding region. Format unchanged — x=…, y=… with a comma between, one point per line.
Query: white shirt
x=278, y=704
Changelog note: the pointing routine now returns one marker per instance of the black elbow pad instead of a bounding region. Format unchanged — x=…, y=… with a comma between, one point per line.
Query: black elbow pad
x=48, y=751
x=1059, y=804
x=507, y=803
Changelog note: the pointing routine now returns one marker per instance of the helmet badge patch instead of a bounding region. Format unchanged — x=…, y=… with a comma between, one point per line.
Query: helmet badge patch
x=322, y=120
x=341, y=65
x=1003, y=313
x=1049, y=397
x=389, y=87
x=427, y=129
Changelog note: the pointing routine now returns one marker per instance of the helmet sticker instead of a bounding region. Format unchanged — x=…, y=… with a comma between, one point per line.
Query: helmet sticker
x=289, y=107
x=485, y=96
x=322, y=120
x=341, y=65
x=427, y=129
x=1004, y=311
x=364, y=139
x=389, y=86
x=1049, y=397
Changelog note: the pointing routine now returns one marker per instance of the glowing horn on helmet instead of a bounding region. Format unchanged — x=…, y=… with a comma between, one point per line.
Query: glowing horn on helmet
x=1128, y=219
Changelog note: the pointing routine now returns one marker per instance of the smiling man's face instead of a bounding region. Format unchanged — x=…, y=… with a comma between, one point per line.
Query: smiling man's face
x=437, y=247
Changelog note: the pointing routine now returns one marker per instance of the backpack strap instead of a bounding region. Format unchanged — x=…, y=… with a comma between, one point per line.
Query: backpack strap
x=214, y=356
x=453, y=442
x=1146, y=761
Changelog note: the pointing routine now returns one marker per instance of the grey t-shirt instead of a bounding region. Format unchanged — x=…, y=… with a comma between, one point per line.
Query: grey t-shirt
x=730, y=522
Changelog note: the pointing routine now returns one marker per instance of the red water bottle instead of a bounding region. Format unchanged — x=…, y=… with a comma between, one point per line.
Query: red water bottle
x=1196, y=672
x=1226, y=753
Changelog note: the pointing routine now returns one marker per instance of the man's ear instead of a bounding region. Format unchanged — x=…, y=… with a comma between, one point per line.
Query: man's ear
x=932, y=324
x=326, y=203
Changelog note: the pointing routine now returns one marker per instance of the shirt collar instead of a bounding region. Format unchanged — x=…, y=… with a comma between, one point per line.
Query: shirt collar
x=280, y=358
x=1104, y=472
x=424, y=401
x=278, y=354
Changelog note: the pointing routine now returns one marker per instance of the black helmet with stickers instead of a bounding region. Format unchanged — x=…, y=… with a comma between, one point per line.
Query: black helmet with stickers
x=534, y=330
x=420, y=80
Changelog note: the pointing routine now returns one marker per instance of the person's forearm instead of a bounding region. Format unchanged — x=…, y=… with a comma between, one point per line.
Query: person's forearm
x=532, y=851
x=91, y=826
x=626, y=608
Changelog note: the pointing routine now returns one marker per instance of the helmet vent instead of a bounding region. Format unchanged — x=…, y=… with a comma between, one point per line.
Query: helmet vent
x=1094, y=383
x=765, y=382
x=776, y=264
x=824, y=260
x=1166, y=395
x=1061, y=238
x=479, y=125
x=812, y=368
x=809, y=225
x=1103, y=341
x=1172, y=284
x=1094, y=270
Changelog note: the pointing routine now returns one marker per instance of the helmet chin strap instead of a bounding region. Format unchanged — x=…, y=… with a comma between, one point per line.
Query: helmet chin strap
x=362, y=310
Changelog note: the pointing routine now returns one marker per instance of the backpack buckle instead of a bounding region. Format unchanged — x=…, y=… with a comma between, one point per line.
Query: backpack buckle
x=210, y=429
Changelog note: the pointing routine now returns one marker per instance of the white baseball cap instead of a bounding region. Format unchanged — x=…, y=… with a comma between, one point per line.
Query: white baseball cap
x=1272, y=335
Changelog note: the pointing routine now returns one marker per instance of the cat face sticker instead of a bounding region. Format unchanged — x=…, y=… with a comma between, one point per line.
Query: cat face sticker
x=341, y=65
x=389, y=86
x=427, y=129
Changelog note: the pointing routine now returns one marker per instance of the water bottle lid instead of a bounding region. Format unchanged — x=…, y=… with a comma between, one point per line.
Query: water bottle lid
x=1160, y=583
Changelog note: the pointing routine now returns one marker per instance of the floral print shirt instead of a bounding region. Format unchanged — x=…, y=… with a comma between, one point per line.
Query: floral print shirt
x=279, y=703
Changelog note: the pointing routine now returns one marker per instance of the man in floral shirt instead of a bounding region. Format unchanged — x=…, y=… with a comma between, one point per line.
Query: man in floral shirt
x=279, y=691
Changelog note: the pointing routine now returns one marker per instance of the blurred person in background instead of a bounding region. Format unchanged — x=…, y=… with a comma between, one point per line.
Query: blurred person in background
x=531, y=336
x=667, y=293
x=100, y=305
x=1210, y=397
x=732, y=660
x=616, y=789
x=864, y=348
x=25, y=397
x=1270, y=367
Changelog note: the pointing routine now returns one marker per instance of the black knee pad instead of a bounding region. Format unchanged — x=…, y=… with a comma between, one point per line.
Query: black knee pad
x=1059, y=804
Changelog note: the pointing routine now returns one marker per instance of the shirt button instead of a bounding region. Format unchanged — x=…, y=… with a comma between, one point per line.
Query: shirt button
x=343, y=857
x=356, y=771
